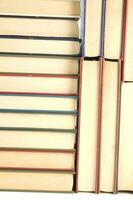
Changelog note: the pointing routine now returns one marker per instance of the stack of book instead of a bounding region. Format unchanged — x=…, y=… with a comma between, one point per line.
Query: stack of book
x=66, y=92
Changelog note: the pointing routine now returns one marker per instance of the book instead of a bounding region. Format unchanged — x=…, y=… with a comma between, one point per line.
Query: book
x=39, y=46
x=113, y=29
x=60, y=103
x=88, y=129
x=36, y=159
x=41, y=8
x=53, y=120
x=109, y=121
x=39, y=27
x=38, y=65
x=93, y=28
x=37, y=84
x=125, y=178
x=36, y=181
x=37, y=138
x=127, y=72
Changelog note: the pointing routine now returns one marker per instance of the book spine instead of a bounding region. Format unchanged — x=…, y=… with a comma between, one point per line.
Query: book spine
x=99, y=134
x=83, y=25
x=117, y=136
x=124, y=37
x=102, y=28
x=79, y=122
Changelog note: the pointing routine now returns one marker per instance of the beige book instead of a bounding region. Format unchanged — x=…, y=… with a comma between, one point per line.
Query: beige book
x=108, y=124
x=93, y=27
x=37, y=139
x=39, y=27
x=41, y=8
x=38, y=103
x=38, y=84
x=39, y=46
x=36, y=160
x=128, y=49
x=38, y=65
x=113, y=29
x=89, y=119
x=37, y=120
x=125, y=178
x=20, y=180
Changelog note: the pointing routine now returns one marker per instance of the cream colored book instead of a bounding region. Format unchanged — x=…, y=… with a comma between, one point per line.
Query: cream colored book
x=93, y=27
x=128, y=48
x=125, y=178
x=39, y=46
x=36, y=181
x=38, y=84
x=55, y=121
x=40, y=8
x=39, y=27
x=88, y=132
x=37, y=139
x=113, y=29
x=38, y=65
x=37, y=160
x=38, y=103
x=110, y=92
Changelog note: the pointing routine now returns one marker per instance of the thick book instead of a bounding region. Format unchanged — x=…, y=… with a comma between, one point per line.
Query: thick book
x=39, y=27
x=40, y=8
x=38, y=65
x=93, y=28
x=88, y=127
x=127, y=71
x=113, y=29
x=125, y=178
x=36, y=159
x=36, y=181
x=46, y=47
x=109, y=123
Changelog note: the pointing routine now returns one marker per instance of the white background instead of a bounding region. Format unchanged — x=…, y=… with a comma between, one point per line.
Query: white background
x=53, y=196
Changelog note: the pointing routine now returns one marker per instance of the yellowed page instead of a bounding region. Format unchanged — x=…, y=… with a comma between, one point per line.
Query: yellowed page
x=39, y=46
x=125, y=178
x=37, y=139
x=108, y=126
x=38, y=27
x=93, y=27
x=39, y=160
x=88, y=134
x=39, y=7
x=34, y=84
x=38, y=65
x=36, y=181
x=128, y=66
x=37, y=120
x=113, y=28
x=38, y=103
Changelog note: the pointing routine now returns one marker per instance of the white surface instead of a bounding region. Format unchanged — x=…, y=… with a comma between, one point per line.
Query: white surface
x=53, y=196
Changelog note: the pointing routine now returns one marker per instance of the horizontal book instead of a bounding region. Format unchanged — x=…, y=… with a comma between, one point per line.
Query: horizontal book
x=93, y=27
x=37, y=138
x=39, y=27
x=109, y=121
x=40, y=46
x=125, y=178
x=36, y=181
x=88, y=130
x=55, y=121
x=41, y=8
x=38, y=84
x=128, y=43
x=36, y=159
x=38, y=103
x=113, y=29
x=39, y=65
